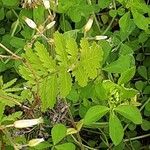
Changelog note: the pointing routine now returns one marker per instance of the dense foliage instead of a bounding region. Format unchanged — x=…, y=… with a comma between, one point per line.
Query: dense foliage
x=74, y=74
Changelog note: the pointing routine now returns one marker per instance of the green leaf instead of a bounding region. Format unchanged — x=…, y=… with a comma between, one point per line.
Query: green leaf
x=44, y=145
x=140, y=85
x=58, y=132
x=95, y=113
x=48, y=92
x=104, y=3
x=9, y=84
x=60, y=48
x=10, y=3
x=80, y=75
x=66, y=146
x=100, y=91
x=45, y=57
x=72, y=49
x=2, y=108
x=65, y=24
x=73, y=95
x=2, y=13
x=116, y=131
x=145, y=125
x=126, y=24
x=130, y=112
x=38, y=14
x=91, y=56
x=125, y=50
x=127, y=76
x=137, y=17
x=142, y=71
x=17, y=42
x=12, y=117
x=65, y=83
x=122, y=64
x=106, y=49
x=147, y=90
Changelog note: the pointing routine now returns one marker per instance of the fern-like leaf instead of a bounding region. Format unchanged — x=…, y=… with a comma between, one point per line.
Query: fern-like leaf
x=65, y=82
x=48, y=92
x=44, y=57
x=91, y=56
x=80, y=75
x=60, y=48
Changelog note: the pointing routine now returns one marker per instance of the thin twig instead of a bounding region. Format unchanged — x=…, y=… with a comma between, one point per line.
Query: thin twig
x=10, y=52
x=137, y=138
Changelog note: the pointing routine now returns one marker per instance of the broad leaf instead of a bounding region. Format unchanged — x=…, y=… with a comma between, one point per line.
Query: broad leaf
x=126, y=24
x=115, y=129
x=120, y=65
x=130, y=112
x=66, y=146
x=126, y=76
x=95, y=113
x=58, y=132
x=144, y=24
x=143, y=71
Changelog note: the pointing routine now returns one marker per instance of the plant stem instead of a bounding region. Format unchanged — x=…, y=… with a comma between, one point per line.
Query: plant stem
x=90, y=148
x=96, y=21
x=10, y=52
x=74, y=125
x=137, y=138
x=142, y=107
x=111, y=22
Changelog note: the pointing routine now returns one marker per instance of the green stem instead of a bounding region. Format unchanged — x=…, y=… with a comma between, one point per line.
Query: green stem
x=74, y=125
x=9, y=51
x=142, y=107
x=137, y=138
x=96, y=21
x=110, y=24
x=77, y=142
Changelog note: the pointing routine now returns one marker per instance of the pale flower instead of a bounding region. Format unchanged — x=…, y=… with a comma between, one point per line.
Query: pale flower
x=30, y=23
x=50, y=25
x=27, y=123
x=35, y=142
x=46, y=4
x=88, y=25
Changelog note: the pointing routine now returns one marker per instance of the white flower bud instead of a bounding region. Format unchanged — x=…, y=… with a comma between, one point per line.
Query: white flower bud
x=35, y=142
x=50, y=25
x=100, y=37
x=46, y=4
x=27, y=123
x=88, y=25
x=30, y=23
